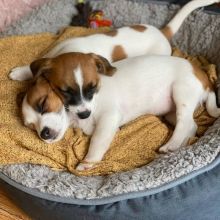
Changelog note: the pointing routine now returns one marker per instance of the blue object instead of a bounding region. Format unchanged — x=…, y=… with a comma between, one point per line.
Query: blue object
x=194, y=196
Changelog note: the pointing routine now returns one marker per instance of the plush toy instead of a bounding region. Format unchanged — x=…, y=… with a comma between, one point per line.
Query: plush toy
x=86, y=17
x=96, y=20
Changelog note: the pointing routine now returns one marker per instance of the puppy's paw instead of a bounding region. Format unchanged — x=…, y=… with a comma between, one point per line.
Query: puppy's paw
x=85, y=166
x=168, y=148
x=16, y=74
x=163, y=149
x=20, y=74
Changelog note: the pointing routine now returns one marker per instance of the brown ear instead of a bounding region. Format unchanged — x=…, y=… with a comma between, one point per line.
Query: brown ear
x=103, y=65
x=40, y=66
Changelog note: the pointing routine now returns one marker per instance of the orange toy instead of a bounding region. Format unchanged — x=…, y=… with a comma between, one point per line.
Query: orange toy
x=96, y=19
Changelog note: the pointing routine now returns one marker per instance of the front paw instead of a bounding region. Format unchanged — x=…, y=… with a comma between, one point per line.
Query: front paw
x=86, y=166
x=20, y=73
x=16, y=74
x=168, y=148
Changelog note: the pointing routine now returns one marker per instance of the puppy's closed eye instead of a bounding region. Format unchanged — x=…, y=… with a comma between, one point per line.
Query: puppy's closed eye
x=71, y=96
x=89, y=91
x=20, y=97
x=41, y=106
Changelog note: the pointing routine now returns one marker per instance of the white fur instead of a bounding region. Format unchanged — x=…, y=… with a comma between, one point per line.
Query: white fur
x=134, y=43
x=147, y=85
x=142, y=85
x=58, y=121
x=78, y=78
x=21, y=73
x=85, y=105
x=175, y=23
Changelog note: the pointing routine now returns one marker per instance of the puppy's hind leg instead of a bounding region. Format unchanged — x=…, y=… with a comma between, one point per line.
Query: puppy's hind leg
x=186, y=101
x=211, y=105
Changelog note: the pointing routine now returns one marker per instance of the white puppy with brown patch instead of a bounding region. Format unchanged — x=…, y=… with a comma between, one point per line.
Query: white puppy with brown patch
x=104, y=97
x=124, y=42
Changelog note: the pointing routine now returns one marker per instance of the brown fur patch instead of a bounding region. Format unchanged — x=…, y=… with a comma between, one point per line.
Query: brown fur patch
x=39, y=92
x=66, y=64
x=138, y=27
x=61, y=75
x=39, y=66
x=111, y=33
x=118, y=53
x=167, y=32
x=57, y=81
x=202, y=77
x=103, y=65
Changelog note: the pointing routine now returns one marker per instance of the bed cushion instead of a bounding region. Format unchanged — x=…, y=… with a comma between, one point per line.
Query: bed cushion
x=12, y=10
x=134, y=145
x=198, y=35
x=194, y=197
x=52, y=16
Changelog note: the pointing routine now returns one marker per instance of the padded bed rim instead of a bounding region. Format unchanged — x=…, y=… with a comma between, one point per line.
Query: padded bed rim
x=212, y=9
x=112, y=199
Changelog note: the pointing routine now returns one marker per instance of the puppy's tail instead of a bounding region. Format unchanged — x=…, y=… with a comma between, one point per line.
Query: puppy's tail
x=173, y=26
x=211, y=106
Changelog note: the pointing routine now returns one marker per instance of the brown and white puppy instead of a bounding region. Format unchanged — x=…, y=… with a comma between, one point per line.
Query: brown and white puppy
x=72, y=80
x=123, y=42
x=103, y=98
x=45, y=104
x=114, y=45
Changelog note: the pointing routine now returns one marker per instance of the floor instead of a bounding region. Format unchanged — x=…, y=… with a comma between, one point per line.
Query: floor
x=8, y=210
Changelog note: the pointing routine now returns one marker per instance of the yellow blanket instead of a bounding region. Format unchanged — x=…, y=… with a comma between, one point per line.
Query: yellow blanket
x=134, y=145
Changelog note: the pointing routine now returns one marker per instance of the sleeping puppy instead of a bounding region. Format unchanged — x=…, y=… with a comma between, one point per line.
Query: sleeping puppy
x=104, y=97
x=121, y=43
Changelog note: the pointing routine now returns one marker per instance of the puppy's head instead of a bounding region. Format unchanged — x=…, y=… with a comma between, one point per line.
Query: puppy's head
x=43, y=111
x=69, y=81
x=75, y=78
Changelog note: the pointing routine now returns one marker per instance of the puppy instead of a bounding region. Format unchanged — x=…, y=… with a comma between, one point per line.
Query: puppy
x=107, y=97
x=121, y=43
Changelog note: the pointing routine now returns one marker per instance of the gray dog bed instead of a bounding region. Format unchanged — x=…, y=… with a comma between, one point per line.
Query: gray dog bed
x=132, y=192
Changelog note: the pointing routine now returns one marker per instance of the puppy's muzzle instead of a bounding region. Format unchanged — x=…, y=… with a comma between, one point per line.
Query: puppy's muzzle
x=84, y=115
x=47, y=134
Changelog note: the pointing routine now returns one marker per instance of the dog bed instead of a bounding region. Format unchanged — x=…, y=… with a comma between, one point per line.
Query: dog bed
x=167, y=188
x=14, y=9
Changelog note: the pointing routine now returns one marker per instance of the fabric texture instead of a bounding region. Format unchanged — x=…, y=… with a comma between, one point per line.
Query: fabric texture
x=199, y=35
x=12, y=10
x=134, y=145
x=197, y=198
x=52, y=16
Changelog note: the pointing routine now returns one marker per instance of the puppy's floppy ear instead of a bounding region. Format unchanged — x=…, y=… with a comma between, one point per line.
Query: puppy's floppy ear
x=103, y=65
x=40, y=66
x=20, y=97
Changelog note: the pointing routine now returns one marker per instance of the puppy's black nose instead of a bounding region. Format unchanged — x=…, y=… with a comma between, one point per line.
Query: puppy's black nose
x=46, y=133
x=84, y=115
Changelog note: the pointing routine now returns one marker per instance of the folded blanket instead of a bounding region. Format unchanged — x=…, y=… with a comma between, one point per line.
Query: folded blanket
x=133, y=146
